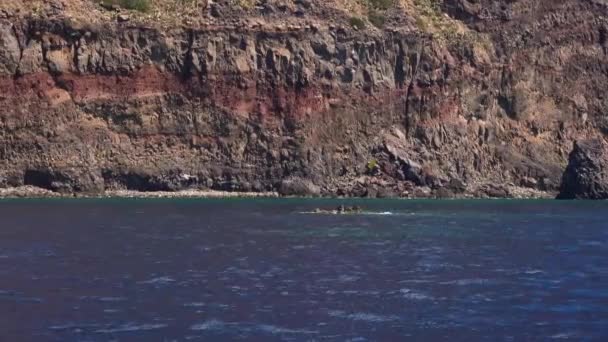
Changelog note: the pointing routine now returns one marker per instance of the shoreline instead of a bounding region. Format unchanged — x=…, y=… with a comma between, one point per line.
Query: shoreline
x=31, y=192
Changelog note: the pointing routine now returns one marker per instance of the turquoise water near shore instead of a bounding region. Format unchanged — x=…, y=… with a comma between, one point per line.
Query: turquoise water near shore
x=265, y=269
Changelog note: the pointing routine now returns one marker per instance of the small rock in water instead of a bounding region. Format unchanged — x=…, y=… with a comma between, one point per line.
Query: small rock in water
x=349, y=210
x=341, y=209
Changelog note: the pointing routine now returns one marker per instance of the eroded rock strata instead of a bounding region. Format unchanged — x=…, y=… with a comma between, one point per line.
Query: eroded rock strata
x=297, y=100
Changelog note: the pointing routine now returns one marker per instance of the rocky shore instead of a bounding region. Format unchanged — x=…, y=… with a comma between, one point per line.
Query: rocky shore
x=35, y=192
x=439, y=99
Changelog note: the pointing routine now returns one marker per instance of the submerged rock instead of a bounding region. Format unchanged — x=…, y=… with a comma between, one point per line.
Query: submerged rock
x=586, y=176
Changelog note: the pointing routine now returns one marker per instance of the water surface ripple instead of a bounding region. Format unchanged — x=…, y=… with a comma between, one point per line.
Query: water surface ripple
x=267, y=270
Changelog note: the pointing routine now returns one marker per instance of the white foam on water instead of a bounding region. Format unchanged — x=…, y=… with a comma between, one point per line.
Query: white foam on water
x=132, y=327
x=194, y=304
x=348, y=278
x=212, y=324
x=19, y=297
x=111, y=311
x=591, y=243
x=466, y=282
x=158, y=281
x=302, y=247
x=73, y=326
x=563, y=336
x=112, y=299
x=382, y=213
x=534, y=272
x=104, y=299
x=347, y=214
x=362, y=316
x=415, y=281
x=414, y=295
x=370, y=317
x=350, y=292
x=29, y=300
x=273, y=329
x=355, y=293
x=215, y=324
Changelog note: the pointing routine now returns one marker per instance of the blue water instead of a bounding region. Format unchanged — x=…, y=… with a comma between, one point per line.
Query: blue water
x=264, y=270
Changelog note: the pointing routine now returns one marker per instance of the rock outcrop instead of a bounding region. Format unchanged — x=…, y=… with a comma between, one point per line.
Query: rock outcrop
x=458, y=99
x=586, y=176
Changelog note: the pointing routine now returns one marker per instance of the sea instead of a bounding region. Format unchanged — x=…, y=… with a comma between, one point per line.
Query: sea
x=273, y=270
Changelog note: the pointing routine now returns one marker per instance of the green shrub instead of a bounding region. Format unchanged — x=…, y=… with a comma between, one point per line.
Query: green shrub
x=423, y=24
x=376, y=18
x=429, y=8
x=372, y=166
x=381, y=4
x=246, y=4
x=138, y=5
x=357, y=23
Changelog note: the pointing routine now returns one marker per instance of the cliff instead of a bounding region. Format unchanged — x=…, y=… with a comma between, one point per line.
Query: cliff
x=438, y=98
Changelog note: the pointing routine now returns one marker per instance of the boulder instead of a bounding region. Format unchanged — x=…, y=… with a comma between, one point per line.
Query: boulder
x=65, y=180
x=411, y=170
x=146, y=181
x=586, y=176
x=123, y=18
x=443, y=193
x=528, y=182
x=386, y=192
x=298, y=187
x=492, y=190
x=457, y=186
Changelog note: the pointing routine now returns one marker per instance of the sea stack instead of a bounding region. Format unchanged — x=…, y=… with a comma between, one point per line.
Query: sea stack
x=586, y=176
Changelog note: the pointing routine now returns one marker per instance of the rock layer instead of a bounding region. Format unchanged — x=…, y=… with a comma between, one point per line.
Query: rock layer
x=487, y=110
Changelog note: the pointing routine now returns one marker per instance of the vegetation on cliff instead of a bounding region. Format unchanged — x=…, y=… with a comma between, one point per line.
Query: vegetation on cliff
x=138, y=5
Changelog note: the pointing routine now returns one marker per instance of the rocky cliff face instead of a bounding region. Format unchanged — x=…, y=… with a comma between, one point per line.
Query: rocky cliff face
x=481, y=98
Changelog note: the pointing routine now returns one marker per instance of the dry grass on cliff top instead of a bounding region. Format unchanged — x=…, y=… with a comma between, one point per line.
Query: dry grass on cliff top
x=169, y=12
x=426, y=15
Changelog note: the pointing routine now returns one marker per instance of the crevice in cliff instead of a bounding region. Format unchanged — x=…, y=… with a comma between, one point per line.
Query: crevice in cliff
x=188, y=64
x=45, y=59
x=21, y=49
x=75, y=58
x=414, y=63
x=603, y=39
x=399, y=73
